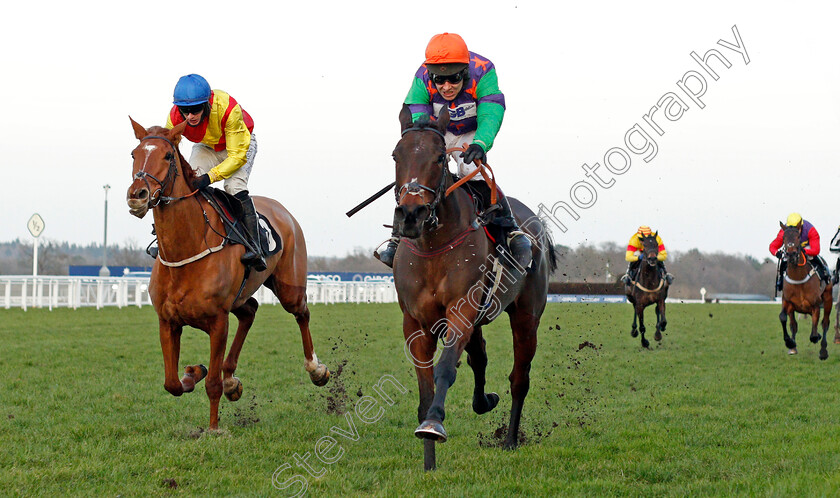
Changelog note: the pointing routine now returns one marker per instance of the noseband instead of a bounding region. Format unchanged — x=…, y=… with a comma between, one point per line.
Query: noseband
x=415, y=188
x=168, y=181
x=799, y=255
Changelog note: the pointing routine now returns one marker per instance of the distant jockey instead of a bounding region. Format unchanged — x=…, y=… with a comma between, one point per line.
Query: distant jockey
x=224, y=147
x=464, y=82
x=810, y=241
x=634, y=256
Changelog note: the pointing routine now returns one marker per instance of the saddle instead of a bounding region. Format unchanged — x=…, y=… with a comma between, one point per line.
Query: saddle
x=230, y=210
x=493, y=226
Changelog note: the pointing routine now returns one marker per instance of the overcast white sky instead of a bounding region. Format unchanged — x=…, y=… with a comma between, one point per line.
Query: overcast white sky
x=324, y=82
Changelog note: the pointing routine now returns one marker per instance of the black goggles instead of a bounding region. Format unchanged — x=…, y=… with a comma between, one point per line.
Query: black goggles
x=191, y=109
x=439, y=79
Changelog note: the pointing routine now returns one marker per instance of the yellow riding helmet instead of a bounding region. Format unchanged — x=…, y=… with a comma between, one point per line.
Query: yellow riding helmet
x=644, y=231
x=794, y=219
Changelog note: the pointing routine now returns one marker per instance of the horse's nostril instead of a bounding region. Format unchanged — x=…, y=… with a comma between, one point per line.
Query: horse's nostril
x=142, y=193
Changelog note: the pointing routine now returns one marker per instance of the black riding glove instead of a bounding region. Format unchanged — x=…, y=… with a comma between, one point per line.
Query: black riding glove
x=474, y=151
x=201, y=182
x=780, y=253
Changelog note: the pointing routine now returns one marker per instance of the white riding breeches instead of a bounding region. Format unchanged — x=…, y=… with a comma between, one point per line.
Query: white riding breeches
x=452, y=141
x=203, y=158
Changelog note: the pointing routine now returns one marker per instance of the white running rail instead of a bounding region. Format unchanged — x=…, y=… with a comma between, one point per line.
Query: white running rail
x=26, y=291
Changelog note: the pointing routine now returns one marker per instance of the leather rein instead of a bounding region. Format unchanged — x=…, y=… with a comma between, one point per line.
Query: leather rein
x=169, y=182
x=415, y=188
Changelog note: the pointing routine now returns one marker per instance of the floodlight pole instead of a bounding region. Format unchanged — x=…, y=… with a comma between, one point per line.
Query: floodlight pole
x=104, y=271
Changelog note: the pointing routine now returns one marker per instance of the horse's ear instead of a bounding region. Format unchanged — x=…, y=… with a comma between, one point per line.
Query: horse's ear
x=799, y=225
x=656, y=234
x=176, y=132
x=405, y=118
x=782, y=225
x=443, y=120
x=139, y=131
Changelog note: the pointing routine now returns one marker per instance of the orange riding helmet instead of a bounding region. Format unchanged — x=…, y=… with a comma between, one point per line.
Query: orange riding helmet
x=447, y=54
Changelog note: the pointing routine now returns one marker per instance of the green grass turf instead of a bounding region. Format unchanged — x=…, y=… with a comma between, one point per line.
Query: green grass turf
x=717, y=408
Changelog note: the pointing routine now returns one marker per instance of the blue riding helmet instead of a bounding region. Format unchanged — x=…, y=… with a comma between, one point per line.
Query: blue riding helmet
x=191, y=89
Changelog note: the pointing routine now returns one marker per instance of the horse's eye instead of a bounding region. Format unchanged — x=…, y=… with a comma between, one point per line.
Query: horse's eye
x=168, y=156
x=442, y=158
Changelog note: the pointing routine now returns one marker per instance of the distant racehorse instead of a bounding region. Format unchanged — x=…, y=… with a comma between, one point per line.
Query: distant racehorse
x=649, y=287
x=198, y=280
x=451, y=281
x=803, y=292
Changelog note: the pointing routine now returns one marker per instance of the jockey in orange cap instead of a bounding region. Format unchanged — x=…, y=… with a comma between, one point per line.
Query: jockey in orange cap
x=466, y=84
x=810, y=240
x=634, y=256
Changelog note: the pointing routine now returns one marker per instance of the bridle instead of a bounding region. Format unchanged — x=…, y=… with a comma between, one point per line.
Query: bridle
x=159, y=195
x=415, y=188
x=652, y=256
x=799, y=254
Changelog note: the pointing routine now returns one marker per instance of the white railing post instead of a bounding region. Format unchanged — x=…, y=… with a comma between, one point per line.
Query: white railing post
x=76, y=292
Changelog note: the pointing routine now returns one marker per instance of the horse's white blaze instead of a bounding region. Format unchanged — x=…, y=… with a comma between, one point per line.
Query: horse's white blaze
x=149, y=149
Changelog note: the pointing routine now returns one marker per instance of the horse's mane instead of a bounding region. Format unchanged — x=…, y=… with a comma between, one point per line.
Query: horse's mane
x=186, y=169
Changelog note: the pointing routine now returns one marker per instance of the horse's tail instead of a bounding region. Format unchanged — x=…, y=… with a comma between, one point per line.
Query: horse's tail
x=552, y=252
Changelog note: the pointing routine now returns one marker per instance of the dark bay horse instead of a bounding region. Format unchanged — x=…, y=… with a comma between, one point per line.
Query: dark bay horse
x=199, y=284
x=451, y=281
x=803, y=292
x=649, y=288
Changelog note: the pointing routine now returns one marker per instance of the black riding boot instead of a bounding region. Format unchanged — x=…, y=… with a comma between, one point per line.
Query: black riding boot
x=501, y=215
x=822, y=268
x=836, y=275
x=630, y=275
x=668, y=277
x=249, y=220
x=387, y=254
x=780, y=277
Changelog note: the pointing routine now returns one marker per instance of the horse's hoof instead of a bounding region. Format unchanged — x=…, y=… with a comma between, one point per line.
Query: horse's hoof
x=657, y=336
x=792, y=351
x=490, y=402
x=645, y=343
x=431, y=429
x=320, y=379
x=193, y=374
x=232, y=387
x=823, y=354
x=815, y=338
x=634, y=333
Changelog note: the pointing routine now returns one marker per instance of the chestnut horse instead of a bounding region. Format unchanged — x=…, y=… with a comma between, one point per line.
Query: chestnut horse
x=451, y=281
x=198, y=281
x=803, y=292
x=650, y=287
